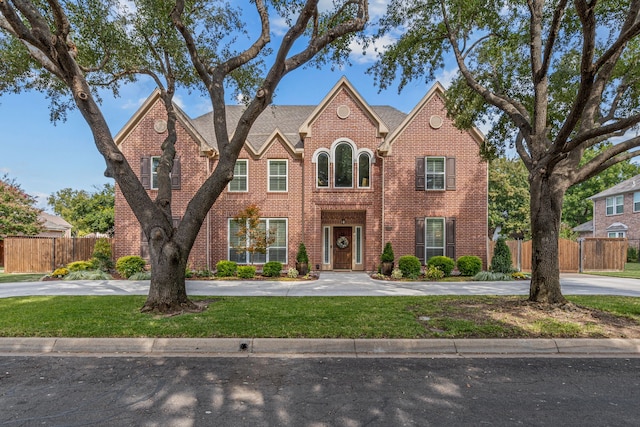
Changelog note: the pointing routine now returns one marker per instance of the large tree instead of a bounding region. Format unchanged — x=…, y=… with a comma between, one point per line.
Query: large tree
x=86, y=212
x=18, y=213
x=58, y=45
x=553, y=77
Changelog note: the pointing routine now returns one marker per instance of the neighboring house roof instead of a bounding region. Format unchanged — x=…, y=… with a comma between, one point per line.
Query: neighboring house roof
x=53, y=222
x=628, y=186
x=586, y=227
x=617, y=226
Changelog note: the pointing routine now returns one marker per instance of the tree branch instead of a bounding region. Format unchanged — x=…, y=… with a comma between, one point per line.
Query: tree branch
x=614, y=154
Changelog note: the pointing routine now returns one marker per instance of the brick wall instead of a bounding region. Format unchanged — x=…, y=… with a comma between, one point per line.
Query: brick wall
x=629, y=218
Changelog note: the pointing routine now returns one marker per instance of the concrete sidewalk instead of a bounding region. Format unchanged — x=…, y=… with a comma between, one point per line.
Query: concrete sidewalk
x=276, y=347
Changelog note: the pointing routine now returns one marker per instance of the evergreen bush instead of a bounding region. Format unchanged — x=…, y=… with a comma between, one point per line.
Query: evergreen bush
x=444, y=263
x=128, y=265
x=469, y=265
x=501, y=261
x=410, y=266
x=302, y=256
x=226, y=268
x=632, y=254
x=247, y=271
x=387, y=253
x=80, y=266
x=433, y=273
x=272, y=269
x=102, y=254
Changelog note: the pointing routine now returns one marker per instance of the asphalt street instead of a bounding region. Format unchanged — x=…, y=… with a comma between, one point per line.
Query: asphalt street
x=318, y=392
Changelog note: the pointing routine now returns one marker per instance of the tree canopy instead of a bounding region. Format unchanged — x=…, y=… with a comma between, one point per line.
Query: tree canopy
x=551, y=78
x=18, y=213
x=86, y=212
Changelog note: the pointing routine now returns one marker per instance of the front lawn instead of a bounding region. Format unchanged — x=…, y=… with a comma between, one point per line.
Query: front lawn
x=323, y=317
x=631, y=271
x=21, y=277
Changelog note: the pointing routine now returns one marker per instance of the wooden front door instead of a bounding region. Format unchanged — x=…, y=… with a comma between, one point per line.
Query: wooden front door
x=342, y=241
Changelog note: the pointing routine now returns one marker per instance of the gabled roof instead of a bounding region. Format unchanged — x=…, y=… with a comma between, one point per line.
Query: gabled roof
x=182, y=118
x=344, y=84
x=584, y=227
x=628, y=186
x=436, y=90
x=53, y=223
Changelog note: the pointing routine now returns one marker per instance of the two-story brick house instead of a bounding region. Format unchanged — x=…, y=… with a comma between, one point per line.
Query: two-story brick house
x=342, y=176
x=616, y=212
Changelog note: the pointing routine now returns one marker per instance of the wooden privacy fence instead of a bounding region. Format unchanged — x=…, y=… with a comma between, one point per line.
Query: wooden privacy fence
x=45, y=254
x=588, y=254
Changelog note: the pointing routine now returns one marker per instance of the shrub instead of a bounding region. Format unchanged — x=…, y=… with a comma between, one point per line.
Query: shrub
x=247, y=271
x=226, y=268
x=396, y=273
x=292, y=273
x=102, y=254
x=88, y=275
x=80, y=266
x=444, y=263
x=203, y=272
x=501, y=262
x=490, y=276
x=60, y=272
x=410, y=266
x=469, y=265
x=127, y=265
x=387, y=253
x=632, y=254
x=302, y=256
x=141, y=275
x=272, y=269
x=433, y=273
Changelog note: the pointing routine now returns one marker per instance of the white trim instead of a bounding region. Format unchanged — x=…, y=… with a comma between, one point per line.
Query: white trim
x=358, y=247
x=326, y=245
x=444, y=173
x=614, y=205
x=365, y=152
x=246, y=190
x=332, y=159
x=286, y=175
x=444, y=236
x=634, y=201
x=266, y=255
x=153, y=172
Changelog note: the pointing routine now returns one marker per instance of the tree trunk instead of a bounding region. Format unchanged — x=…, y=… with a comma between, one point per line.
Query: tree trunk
x=167, y=292
x=546, y=210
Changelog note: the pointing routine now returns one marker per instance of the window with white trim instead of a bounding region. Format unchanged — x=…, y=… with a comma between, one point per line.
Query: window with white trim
x=434, y=237
x=278, y=172
x=364, y=169
x=619, y=234
x=636, y=201
x=239, y=183
x=275, y=229
x=615, y=205
x=343, y=166
x=435, y=170
x=155, y=161
x=322, y=170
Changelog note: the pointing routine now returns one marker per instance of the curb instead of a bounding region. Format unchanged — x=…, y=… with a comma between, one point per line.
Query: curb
x=275, y=347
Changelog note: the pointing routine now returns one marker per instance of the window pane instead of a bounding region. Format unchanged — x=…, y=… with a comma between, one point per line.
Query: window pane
x=435, y=173
x=279, y=227
x=636, y=202
x=358, y=245
x=344, y=166
x=323, y=170
x=435, y=233
x=239, y=181
x=155, y=161
x=278, y=254
x=363, y=170
x=326, y=245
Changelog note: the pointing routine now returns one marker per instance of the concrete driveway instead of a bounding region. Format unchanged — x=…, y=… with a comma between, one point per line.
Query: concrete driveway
x=329, y=284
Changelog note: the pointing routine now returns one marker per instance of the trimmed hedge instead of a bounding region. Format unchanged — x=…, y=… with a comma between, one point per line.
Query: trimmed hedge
x=272, y=269
x=226, y=268
x=410, y=266
x=443, y=263
x=246, y=271
x=469, y=265
x=128, y=265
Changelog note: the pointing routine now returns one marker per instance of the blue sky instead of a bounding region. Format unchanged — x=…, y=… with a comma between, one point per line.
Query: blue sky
x=45, y=157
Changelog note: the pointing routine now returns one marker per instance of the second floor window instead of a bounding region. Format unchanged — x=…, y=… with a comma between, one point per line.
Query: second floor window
x=155, y=161
x=343, y=166
x=322, y=171
x=364, y=163
x=277, y=175
x=636, y=202
x=435, y=173
x=239, y=183
x=615, y=205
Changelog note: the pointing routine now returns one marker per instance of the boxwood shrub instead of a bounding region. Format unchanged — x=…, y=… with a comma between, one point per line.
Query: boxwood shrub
x=445, y=264
x=469, y=265
x=226, y=268
x=410, y=266
x=246, y=271
x=272, y=269
x=128, y=265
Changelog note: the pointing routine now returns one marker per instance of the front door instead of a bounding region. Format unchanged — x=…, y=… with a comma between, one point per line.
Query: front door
x=342, y=248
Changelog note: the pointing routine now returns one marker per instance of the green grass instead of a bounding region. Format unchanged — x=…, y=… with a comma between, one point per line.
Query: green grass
x=288, y=317
x=631, y=271
x=22, y=277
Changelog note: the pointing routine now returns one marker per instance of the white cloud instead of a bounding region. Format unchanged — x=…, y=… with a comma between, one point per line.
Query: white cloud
x=132, y=104
x=360, y=55
x=445, y=77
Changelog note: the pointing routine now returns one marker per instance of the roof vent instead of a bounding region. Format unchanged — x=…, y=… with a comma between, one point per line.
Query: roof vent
x=435, y=122
x=343, y=111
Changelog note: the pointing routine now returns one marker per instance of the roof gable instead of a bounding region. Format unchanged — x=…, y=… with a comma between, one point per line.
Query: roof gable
x=437, y=90
x=344, y=85
x=628, y=186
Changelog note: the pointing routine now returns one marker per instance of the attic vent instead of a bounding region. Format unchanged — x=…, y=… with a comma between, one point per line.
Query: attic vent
x=160, y=126
x=435, y=122
x=343, y=111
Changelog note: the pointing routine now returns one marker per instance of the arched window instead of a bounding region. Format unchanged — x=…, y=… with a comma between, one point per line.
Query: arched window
x=343, y=166
x=364, y=168
x=322, y=170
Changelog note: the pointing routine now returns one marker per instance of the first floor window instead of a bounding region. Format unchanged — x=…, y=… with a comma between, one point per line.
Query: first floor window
x=434, y=238
x=244, y=249
x=240, y=176
x=620, y=234
x=615, y=205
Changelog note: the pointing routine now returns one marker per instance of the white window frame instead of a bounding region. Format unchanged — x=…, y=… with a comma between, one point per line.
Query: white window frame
x=153, y=172
x=245, y=176
x=326, y=245
x=368, y=155
x=426, y=240
x=286, y=175
x=247, y=255
x=616, y=234
x=616, y=203
x=316, y=160
x=333, y=159
x=427, y=173
x=636, y=201
x=357, y=256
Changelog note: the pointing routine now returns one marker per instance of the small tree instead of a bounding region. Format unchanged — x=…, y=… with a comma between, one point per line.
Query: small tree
x=253, y=236
x=18, y=215
x=501, y=261
x=387, y=253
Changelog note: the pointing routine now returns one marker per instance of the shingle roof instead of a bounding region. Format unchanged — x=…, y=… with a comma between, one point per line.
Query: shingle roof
x=285, y=118
x=628, y=186
x=53, y=222
x=584, y=227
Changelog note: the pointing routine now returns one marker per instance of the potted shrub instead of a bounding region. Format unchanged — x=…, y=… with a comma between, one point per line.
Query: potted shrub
x=386, y=267
x=302, y=260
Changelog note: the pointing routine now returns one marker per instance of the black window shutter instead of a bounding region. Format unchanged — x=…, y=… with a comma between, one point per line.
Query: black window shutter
x=451, y=173
x=175, y=174
x=420, y=239
x=450, y=230
x=420, y=178
x=145, y=171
